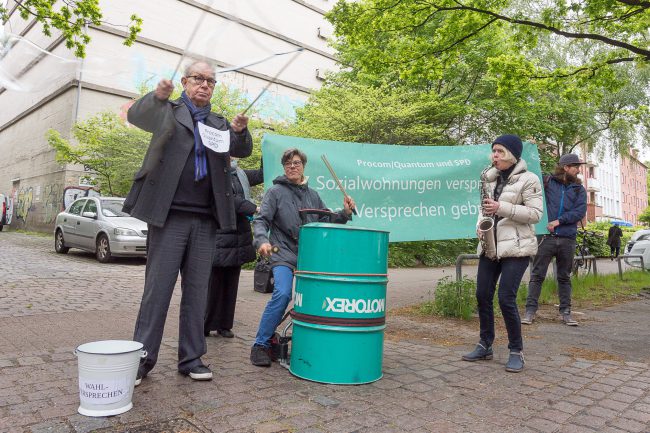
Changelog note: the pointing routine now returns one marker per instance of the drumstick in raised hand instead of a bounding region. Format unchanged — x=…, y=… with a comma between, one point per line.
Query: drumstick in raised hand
x=336, y=179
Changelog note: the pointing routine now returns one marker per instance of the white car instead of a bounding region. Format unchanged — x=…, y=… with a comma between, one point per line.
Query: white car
x=639, y=245
x=635, y=237
x=98, y=225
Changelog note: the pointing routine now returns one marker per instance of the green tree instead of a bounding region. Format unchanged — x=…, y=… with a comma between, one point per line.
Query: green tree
x=612, y=31
x=489, y=76
x=71, y=18
x=645, y=216
x=108, y=146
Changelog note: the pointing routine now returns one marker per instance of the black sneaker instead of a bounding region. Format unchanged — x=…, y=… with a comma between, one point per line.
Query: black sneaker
x=225, y=333
x=200, y=372
x=260, y=356
x=138, y=378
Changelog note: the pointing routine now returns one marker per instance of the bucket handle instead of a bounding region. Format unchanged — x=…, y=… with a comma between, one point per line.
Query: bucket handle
x=143, y=353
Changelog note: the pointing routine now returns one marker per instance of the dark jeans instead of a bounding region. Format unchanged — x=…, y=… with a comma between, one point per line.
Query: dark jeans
x=563, y=249
x=222, y=297
x=511, y=270
x=614, y=249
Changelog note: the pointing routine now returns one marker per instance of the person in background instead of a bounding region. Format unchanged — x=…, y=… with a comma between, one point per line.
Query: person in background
x=184, y=193
x=233, y=249
x=614, y=240
x=278, y=225
x=566, y=206
x=516, y=206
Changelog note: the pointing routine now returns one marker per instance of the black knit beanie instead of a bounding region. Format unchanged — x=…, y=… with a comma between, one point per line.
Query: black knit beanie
x=510, y=142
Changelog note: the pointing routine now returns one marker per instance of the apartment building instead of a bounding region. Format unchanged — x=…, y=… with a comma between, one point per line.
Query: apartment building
x=61, y=91
x=616, y=187
x=634, y=188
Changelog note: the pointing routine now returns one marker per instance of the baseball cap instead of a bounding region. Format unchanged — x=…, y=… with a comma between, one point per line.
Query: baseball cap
x=569, y=159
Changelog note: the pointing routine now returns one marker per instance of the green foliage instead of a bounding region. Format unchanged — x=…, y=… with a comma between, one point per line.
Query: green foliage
x=428, y=253
x=71, y=18
x=645, y=216
x=465, y=72
x=348, y=111
x=452, y=299
x=607, y=31
x=108, y=147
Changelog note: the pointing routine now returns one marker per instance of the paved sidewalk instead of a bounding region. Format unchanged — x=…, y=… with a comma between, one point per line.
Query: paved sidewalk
x=592, y=378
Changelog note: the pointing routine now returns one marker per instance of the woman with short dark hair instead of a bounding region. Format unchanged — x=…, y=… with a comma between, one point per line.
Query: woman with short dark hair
x=278, y=226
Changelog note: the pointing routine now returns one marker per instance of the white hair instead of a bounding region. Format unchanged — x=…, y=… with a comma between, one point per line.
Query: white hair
x=188, y=69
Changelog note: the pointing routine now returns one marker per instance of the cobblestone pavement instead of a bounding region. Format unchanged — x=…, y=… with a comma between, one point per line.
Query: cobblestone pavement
x=51, y=303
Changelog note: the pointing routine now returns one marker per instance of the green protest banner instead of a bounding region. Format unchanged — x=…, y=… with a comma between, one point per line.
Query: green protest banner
x=415, y=192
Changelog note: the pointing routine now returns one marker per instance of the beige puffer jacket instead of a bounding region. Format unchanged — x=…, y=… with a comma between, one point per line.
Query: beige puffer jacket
x=520, y=208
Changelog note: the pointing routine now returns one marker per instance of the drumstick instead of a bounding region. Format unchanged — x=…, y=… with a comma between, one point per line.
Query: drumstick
x=336, y=179
x=273, y=80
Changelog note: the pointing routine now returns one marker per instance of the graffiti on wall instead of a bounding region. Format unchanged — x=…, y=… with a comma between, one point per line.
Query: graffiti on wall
x=71, y=193
x=24, y=203
x=27, y=202
x=52, y=202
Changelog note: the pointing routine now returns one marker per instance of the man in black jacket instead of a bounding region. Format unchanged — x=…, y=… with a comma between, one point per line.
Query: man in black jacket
x=184, y=193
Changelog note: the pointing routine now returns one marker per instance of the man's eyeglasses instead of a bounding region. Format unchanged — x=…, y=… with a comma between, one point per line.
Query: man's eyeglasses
x=574, y=165
x=296, y=163
x=196, y=79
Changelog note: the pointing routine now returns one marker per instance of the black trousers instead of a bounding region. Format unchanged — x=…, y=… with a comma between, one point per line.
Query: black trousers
x=511, y=270
x=222, y=297
x=563, y=249
x=185, y=243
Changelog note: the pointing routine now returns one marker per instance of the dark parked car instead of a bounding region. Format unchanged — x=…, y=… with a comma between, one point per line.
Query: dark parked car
x=97, y=224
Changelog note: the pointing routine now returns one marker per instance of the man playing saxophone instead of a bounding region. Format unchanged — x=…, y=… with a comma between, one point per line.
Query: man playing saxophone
x=512, y=197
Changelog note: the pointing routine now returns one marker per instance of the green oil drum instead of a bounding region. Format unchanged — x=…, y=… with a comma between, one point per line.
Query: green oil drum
x=339, y=313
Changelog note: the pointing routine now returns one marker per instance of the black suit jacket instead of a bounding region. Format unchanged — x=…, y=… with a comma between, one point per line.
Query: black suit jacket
x=155, y=184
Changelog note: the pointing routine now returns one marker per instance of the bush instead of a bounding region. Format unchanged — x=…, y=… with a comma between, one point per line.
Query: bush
x=598, y=245
x=428, y=253
x=453, y=299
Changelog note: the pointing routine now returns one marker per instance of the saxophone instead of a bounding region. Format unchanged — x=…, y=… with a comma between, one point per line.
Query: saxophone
x=486, y=223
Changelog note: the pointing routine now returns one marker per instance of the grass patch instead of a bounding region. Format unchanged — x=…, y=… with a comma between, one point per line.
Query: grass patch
x=31, y=233
x=457, y=298
x=593, y=290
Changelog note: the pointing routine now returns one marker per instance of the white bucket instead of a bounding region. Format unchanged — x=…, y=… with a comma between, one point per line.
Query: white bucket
x=107, y=372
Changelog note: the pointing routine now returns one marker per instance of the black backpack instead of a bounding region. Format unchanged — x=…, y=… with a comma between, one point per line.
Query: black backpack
x=263, y=276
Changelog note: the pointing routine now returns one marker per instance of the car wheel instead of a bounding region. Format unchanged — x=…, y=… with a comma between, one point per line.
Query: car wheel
x=59, y=243
x=103, y=250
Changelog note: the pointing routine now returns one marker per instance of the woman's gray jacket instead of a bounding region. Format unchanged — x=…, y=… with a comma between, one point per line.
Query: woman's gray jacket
x=279, y=220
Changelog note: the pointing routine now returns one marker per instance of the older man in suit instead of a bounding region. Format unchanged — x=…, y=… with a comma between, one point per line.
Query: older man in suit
x=183, y=192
